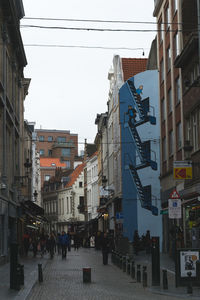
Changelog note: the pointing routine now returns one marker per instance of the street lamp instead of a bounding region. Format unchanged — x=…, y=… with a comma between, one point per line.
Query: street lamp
x=35, y=194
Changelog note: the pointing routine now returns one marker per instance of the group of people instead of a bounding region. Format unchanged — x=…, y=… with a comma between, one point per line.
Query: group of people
x=41, y=243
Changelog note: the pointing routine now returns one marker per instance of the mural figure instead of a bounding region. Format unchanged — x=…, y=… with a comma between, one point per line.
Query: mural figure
x=132, y=114
x=139, y=92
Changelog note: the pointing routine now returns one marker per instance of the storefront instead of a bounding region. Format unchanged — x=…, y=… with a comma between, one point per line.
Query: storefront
x=192, y=223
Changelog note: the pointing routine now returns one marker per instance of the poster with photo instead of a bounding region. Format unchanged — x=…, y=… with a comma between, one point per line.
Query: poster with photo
x=188, y=262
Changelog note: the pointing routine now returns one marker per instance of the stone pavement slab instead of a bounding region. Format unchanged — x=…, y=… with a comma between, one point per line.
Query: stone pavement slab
x=63, y=279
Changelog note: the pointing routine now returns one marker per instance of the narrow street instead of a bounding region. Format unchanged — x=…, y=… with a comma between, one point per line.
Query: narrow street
x=63, y=280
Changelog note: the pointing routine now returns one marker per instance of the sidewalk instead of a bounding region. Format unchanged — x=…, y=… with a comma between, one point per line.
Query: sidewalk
x=30, y=277
x=168, y=264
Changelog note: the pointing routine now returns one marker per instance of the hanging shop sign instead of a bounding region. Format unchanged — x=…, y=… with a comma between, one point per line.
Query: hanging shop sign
x=182, y=170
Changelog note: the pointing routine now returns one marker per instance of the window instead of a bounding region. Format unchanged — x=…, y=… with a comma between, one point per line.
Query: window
x=50, y=138
x=163, y=112
x=164, y=152
x=178, y=90
x=47, y=177
x=161, y=30
x=41, y=138
x=167, y=18
x=171, y=143
x=175, y=5
x=168, y=59
x=68, y=164
x=61, y=139
x=195, y=130
x=41, y=152
x=169, y=97
x=161, y=71
x=49, y=152
x=65, y=152
x=176, y=45
x=179, y=136
x=80, y=184
x=67, y=205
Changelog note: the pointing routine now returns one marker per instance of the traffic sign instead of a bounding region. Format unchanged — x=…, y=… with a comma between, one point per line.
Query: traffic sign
x=174, y=195
x=174, y=208
x=182, y=170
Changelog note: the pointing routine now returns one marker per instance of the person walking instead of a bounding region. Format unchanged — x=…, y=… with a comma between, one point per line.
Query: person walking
x=136, y=242
x=105, y=247
x=52, y=244
x=64, y=244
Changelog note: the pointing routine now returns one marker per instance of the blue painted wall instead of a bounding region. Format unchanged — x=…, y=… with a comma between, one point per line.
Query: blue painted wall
x=136, y=217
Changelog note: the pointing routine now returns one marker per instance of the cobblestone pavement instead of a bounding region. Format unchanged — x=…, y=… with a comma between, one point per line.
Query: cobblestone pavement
x=63, y=279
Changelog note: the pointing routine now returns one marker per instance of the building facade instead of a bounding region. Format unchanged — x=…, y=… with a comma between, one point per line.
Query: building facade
x=188, y=62
x=13, y=90
x=58, y=144
x=169, y=41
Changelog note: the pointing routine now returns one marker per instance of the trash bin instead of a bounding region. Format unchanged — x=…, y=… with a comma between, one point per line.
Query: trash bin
x=86, y=275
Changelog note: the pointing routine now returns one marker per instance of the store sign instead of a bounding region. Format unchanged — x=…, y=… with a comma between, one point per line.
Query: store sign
x=182, y=170
x=174, y=208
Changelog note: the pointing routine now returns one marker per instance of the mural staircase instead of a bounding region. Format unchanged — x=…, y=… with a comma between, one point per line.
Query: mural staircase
x=143, y=149
x=142, y=106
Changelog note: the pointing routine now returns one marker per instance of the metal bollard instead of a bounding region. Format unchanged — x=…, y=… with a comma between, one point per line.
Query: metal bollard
x=128, y=266
x=189, y=286
x=133, y=269
x=40, y=275
x=144, y=276
x=165, y=280
x=86, y=275
x=124, y=263
x=120, y=261
x=138, y=274
x=21, y=274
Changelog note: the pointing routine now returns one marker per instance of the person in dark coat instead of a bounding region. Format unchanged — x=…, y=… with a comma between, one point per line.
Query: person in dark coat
x=52, y=244
x=64, y=239
x=105, y=247
x=136, y=242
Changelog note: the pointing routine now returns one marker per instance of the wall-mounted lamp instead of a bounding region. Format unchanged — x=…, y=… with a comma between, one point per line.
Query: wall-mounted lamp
x=35, y=194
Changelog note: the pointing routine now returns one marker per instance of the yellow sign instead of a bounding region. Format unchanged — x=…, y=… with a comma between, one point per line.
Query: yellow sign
x=183, y=173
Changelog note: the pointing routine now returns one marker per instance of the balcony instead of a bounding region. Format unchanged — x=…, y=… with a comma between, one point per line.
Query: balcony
x=63, y=145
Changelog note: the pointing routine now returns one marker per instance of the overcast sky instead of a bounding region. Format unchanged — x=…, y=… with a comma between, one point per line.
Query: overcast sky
x=69, y=86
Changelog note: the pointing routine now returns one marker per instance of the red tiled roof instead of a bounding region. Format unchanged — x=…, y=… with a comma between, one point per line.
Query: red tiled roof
x=133, y=66
x=74, y=175
x=48, y=161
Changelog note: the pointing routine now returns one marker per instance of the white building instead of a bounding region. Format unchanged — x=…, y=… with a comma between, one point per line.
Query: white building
x=92, y=186
x=69, y=199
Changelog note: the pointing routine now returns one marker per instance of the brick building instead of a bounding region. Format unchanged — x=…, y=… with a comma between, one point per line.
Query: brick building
x=60, y=144
x=188, y=61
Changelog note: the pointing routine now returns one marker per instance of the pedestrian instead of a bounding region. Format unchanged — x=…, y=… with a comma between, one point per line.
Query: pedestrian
x=26, y=242
x=136, y=242
x=69, y=243
x=76, y=241
x=52, y=244
x=132, y=115
x=64, y=244
x=148, y=242
x=58, y=243
x=105, y=247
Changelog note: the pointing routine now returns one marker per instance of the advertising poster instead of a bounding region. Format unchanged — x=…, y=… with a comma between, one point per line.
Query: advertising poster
x=188, y=262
